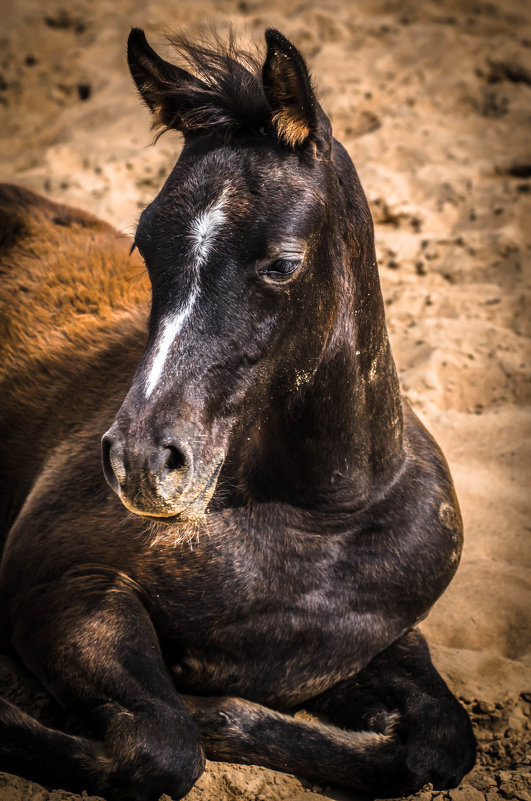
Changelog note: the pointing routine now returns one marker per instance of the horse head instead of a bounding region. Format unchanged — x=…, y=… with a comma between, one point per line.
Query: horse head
x=265, y=294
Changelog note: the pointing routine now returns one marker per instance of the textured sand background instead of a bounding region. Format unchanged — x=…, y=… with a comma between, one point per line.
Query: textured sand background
x=433, y=102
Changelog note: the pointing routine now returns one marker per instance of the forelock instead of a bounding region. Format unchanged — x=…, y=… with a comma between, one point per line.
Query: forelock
x=229, y=99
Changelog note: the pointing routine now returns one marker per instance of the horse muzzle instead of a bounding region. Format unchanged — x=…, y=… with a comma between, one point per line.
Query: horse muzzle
x=162, y=478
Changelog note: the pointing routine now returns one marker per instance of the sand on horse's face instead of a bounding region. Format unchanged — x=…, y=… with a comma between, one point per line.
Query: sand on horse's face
x=432, y=101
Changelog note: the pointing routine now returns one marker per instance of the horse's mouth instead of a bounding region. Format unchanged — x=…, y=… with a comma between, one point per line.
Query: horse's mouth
x=169, y=520
x=193, y=510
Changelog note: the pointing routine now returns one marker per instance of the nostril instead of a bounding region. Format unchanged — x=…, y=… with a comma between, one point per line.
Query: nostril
x=108, y=472
x=175, y=458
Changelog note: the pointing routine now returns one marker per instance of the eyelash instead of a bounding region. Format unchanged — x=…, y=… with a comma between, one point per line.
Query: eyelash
x=289, y=266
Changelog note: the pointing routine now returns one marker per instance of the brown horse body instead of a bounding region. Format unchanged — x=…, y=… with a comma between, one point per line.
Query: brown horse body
x=332, y=523
x=67, y=310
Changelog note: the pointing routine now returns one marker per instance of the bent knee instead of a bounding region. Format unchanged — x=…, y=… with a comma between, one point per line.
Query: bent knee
x=443, y=754
x=155, y=759
x=147, y=777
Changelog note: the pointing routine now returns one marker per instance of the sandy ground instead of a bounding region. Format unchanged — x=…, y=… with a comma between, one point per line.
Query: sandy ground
x=433, y=102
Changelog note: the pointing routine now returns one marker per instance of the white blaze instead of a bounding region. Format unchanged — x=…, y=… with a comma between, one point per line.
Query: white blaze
x=202, y=233
x=205, y=227
x=170, y=329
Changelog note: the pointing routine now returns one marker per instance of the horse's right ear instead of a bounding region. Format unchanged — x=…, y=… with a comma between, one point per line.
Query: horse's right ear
x=158, y=81
x=297, y=116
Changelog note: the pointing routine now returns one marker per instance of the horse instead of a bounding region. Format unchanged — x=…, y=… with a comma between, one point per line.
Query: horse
x=272, y=521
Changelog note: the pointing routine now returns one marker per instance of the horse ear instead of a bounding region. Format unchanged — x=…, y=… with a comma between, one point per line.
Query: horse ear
x=297, y=116
x=158, y=81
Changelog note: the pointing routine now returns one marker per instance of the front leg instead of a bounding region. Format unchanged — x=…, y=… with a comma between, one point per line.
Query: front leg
x=91, y=642
x=433, y=729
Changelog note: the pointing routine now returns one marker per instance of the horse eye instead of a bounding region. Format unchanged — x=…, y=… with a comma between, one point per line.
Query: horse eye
x=280, y=268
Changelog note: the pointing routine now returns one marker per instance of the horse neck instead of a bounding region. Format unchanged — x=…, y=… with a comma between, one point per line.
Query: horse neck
x=338, y=441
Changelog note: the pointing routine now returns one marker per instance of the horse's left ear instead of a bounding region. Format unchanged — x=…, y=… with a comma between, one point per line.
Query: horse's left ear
x=297, y=116
x=163, y=86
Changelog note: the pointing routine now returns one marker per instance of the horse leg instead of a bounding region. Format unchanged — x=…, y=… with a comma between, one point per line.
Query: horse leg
x=45, y=755
x=434, y=731
x=396, y=726
x=237, y=730
x=91, y=642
